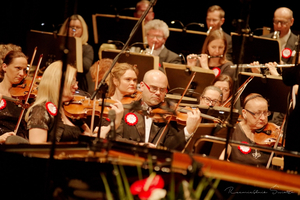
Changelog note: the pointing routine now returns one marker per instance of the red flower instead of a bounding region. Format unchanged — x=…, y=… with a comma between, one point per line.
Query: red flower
x=144, y=188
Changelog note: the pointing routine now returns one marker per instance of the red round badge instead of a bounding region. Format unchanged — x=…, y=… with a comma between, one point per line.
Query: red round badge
x=131, y=119
x=51, y=108
x=2, y=104
x=244, y=149
x=286, y=53
x=216, y=71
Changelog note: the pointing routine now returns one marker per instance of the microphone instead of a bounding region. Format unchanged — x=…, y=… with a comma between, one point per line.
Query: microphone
x=112, y=118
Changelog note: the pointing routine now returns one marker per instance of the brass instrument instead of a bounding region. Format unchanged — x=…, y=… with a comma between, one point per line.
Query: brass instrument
x=209, y=29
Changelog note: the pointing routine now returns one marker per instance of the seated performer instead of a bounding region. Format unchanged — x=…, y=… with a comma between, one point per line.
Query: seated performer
x=211, y=96
x=157, y=32
x=13, y=71
x=141, y=7
x=255, y=118
x=224, y=83
x=213, y=55
x=137, y=128
x=40, y=116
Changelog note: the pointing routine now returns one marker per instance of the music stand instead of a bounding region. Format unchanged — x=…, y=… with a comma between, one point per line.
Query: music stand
x=115, y=27
x=51, y=46
x=256, y=48
x=213, y=129
x=144, y=62
x=269, y=86
x=185, y=42
x=179, y=76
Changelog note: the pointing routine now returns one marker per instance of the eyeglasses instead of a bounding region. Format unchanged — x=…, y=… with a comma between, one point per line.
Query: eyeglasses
x=155, y=36
x=283, y=23
x=258, y=115
x=210, y=101
x=154, y=89
x=74, y=28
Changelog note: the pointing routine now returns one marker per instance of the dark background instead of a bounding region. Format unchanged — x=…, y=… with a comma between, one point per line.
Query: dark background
x=18, y=17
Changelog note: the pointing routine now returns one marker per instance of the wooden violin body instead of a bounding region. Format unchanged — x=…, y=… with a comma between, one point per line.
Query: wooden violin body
x=268, y=135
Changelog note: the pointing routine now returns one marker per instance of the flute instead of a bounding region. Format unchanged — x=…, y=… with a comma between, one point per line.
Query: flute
x=199, y=55
x=260, y=66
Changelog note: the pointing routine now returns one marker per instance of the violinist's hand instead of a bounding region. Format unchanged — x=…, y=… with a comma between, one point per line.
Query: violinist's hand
x=272, y=68
x=4, y=136
x=193, y=120
x=203, y=59
x=103, y=133
x=256, y=69
x=118, y=107
x=151, y=145
x=192, y=60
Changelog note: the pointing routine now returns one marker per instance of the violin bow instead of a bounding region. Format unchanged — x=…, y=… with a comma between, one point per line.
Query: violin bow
x=32, y=59
x=176, y=107
x=28, y=95
x=94, y=102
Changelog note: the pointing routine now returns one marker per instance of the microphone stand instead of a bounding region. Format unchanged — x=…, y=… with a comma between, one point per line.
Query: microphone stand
x=102, y=86
x=235, y=82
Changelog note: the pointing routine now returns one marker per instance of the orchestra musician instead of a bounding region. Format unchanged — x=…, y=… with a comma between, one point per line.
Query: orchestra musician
x=103, y=65
x=137, y=128
x=255, y=117
x=224, y=83
x=212, y=55
x=78, y=28
x=40, y=116
x=211, y=96
x=141, y=7
x=13, y=71
x=215, y=18
x=282, y=22
x=157, y=33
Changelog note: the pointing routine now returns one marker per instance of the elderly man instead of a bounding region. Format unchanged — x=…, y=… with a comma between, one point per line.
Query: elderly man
x=137, y=128
x=215, y=18
x=157, y=33
x=282, y=22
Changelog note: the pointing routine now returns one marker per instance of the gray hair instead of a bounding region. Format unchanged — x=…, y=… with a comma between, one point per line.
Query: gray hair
x=157, y=25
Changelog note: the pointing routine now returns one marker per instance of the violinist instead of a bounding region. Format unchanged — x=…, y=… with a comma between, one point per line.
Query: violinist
x=40, y=116
x=140, y=129
x=13, y=71
x=211, y=96
x=224, y=83
x=255, y=119
x=213, y=55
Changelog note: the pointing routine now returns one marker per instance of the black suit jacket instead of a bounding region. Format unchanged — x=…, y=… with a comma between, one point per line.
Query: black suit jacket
x=172, y=139
x=168, y=56
x=291, y=44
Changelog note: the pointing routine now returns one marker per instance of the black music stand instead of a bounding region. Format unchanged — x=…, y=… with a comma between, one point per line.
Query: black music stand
x=185, y=42
x=144, y=62
x=212, y=129
x=256, y=48
x=179, y=76
x=115, y=27
x=51, y=46
x=269, y=86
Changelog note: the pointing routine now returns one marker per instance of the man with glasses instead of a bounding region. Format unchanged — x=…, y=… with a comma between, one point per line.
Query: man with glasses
x=255, y=118
x=141, y=129
x=157, y=33
x=282, y=22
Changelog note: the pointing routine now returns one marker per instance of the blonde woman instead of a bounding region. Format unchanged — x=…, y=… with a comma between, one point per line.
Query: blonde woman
x=40, y=116
x=77, y=28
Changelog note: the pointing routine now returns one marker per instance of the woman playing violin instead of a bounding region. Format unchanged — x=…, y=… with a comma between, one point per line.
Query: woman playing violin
x=250, y=130
x=13, y=71
x=40, y=116
x=224, y=82
x=213, y=55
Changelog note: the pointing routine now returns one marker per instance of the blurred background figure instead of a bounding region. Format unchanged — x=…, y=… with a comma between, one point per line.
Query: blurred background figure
x=141, y=7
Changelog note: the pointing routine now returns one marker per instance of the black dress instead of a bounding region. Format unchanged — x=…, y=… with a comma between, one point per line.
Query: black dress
x=9, y=116
x=245, y=155
x=39, y=117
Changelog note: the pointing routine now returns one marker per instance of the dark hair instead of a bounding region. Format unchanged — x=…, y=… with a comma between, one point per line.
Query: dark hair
x=8, y=59
x=224, y=77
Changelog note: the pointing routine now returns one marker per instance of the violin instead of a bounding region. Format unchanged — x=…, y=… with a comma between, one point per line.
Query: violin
x=267, y=135
x=20, y=91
